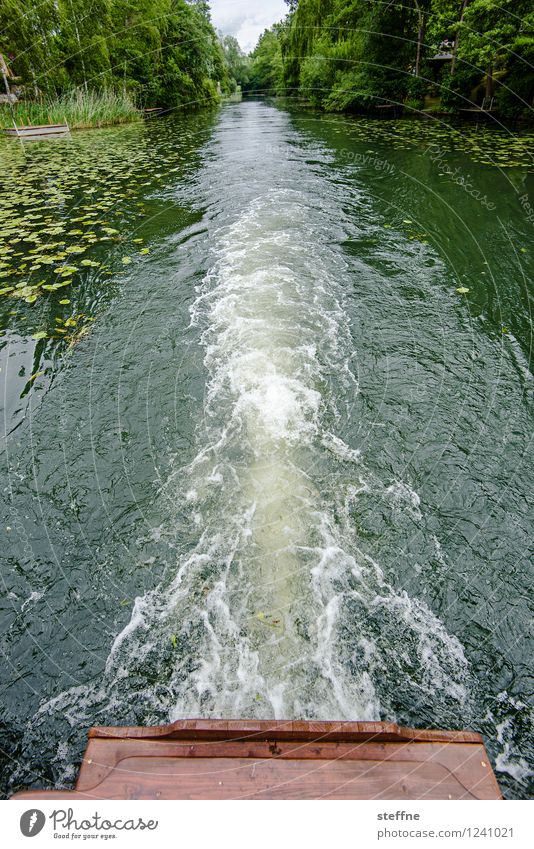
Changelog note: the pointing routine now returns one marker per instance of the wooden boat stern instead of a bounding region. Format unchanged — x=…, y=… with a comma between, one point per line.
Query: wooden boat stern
x=219, y=759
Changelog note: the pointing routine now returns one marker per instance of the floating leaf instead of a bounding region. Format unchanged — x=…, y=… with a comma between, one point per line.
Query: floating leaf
x=42, y=334
x=126, y=260
x=462, y=290
x=66, y=269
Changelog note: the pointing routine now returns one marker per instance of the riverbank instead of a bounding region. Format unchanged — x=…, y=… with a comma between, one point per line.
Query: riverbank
x=79, y=109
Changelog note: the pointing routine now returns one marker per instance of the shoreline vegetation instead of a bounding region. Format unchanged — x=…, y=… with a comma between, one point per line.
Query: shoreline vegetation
x=413, y=57
x=444, y=57
x=79, y=109
x=105, y=66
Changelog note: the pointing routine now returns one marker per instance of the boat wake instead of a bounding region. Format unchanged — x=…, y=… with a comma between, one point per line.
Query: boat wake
x=276, y=612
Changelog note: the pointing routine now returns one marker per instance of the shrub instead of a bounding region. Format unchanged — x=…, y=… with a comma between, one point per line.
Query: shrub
x=78, y=108
x=316, y=78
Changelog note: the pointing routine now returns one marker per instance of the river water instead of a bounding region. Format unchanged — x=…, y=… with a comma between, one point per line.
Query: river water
x=262, y=459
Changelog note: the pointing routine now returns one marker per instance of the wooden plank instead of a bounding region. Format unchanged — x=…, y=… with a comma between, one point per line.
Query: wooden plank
x=41, y=130
x=211, y=729
x=41, y=126
x=245, y=778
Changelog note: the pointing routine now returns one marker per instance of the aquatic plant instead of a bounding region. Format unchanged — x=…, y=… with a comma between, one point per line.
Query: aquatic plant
x=80, y=109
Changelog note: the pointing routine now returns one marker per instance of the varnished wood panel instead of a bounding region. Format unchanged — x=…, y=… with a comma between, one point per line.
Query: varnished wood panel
x=200, y=759
x=215, y=729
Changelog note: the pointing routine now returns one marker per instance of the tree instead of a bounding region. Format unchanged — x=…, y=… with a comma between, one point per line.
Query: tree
x=28, y=39
x=366, y=50
x=266, y=73
x=488, y=31
x=83, y=29
x=237, y=62
x=493, y=53
x=354, y=54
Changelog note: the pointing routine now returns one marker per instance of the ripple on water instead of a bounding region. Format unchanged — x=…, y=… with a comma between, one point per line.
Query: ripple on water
x=289, y=587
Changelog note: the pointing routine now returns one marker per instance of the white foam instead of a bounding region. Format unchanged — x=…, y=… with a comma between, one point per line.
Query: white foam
x=405, y=498
x=32, y=598
x=515, y=766
x=341, y=449
x=270, y=627
x=275, y=611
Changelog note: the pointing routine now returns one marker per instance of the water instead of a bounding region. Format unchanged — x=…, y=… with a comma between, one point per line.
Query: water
x=285, y=472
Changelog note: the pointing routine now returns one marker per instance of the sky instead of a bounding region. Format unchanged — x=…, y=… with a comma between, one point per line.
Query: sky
x=246, y=19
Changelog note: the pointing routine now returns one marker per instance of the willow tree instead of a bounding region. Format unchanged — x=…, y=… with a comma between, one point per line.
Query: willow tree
x=351, y=53
x=85, y=26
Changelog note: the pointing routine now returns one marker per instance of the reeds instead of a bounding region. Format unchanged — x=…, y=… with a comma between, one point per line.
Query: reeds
x=79, y=108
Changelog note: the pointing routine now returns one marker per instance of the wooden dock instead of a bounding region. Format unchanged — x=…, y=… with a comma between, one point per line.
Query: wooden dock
x=219, y=759
x=37, y=131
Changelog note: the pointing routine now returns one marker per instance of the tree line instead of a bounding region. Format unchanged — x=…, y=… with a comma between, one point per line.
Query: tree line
x=354, y=55
x=162, y=52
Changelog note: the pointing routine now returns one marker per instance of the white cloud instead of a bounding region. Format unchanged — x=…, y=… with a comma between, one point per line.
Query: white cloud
x=246, y=19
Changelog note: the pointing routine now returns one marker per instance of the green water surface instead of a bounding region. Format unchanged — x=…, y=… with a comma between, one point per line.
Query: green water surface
x=120, y=250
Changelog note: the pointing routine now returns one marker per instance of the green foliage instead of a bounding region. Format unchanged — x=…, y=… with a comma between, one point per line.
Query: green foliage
x=457, y=91
x=416, y=90
x=28, y=32
x=316, y=76
x=357, y=54
x=82, y=40
x=237, y=63
x=363, y=49
x=267, y=70
x=161, y=52
x=515, y=96
x=79, y=108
